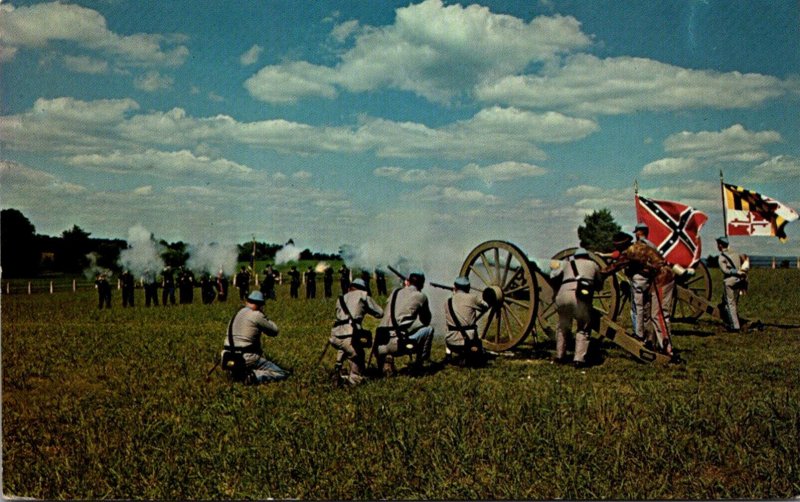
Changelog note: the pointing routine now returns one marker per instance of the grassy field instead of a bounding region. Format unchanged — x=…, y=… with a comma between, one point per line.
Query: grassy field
x=114, y=404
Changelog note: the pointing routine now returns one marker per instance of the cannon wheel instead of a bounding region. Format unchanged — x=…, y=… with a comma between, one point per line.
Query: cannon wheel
x=607, y=300
x=502, y=271
x=698, y=284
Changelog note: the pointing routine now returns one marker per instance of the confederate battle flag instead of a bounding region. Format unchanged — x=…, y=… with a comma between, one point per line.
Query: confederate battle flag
x=750, y=213
x=674, y=229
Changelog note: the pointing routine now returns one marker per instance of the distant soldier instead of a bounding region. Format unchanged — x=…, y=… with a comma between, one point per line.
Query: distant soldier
x=244, y=337
x=666, y=291
x=380, y=281
x=347, y=332
x=222, y=286
x=407, y=304
x=578, y=277
x=366, y=278
x=311, y=283
x=150, y=288
x=344, y=278
x=103, y=291
x=185, y=285
x=207, y=290
x=268, y=284
x=734, y=279
x=645, y=267
x=641, y=232
x=327, y=281
x=294, y=282
x=128, y=284
x=462, y=342
x=242, y=282
x=168, y=286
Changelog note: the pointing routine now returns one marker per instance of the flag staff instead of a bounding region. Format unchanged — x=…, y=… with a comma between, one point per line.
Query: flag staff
x=724, y=211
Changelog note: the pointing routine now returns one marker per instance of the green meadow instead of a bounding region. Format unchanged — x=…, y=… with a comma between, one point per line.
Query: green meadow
x=115, y=404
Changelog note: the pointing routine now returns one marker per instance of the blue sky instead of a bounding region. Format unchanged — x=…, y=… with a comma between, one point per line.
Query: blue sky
x=400, y=129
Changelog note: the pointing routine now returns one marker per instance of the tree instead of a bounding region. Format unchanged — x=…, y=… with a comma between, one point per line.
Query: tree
x=19, y=253
x=75, y=246
x=597, y=232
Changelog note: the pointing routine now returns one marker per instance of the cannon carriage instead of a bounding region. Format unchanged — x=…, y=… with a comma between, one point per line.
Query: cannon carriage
x=521, y=299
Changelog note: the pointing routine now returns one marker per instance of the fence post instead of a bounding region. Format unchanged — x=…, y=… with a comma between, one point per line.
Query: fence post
x=51, y=287
x=73, y=285
x=8, y=286
x=29, y=287
x=773, y=262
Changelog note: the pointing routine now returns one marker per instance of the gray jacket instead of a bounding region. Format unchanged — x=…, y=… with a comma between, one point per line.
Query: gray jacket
x=587, y=268
x=467, y=307
x=359, y=304
x=248, y=325
x=411, y=305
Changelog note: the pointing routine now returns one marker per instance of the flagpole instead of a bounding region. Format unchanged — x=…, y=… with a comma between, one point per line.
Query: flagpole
x=636, y=198
x=724, y=211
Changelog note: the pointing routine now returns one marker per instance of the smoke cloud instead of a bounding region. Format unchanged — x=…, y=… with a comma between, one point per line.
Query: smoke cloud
x=143, y=252
x=287, y=253
x=93, y=269
x=212, y=257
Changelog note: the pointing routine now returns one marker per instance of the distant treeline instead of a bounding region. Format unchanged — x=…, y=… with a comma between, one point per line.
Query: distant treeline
x=24, y=253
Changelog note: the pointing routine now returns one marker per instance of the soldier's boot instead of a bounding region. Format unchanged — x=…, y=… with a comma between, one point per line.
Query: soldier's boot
x=388, y=367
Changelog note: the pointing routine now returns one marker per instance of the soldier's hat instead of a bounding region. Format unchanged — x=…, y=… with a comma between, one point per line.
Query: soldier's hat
x=359, y=284
x=461, y=282
x=417, y=273
x=641, y=226
x=256, y=297
x=621, y=239
x=723, y=240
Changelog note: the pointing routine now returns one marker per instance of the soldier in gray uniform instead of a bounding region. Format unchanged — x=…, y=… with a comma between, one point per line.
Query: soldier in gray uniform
x=661, y=292
x=734, y=279
x=347, y=331
x=406, y=305
x=245, y=336
x=580, y=277
x=461, y=315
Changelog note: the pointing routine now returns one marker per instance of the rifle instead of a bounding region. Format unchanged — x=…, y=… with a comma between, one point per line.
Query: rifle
x=434, y=284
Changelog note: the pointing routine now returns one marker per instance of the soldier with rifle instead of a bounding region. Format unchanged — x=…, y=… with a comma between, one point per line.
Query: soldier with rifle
x=128, y=287
x=310, y=277
x=168, y=286
x=347, y=335
x=734, y=279
x=327, y=281
x=242, y=282
x=406, y=305
x=150, y=287
x=242, y=353
x=294, y=282
x=268, y=284
x=578, y=277
x=462, y=342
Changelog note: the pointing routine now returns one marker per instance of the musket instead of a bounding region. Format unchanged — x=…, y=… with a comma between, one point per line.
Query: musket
x=434, y=284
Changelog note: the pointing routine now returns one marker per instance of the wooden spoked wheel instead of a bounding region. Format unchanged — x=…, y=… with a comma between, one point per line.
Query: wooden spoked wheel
x=607, y=300
x=503, y=274
x=698, y=284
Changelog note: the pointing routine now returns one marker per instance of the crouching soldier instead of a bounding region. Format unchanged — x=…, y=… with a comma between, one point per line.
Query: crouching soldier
x=347, y=335
x=462, y=343
x=579, y=278
x=407, y=304
x=242, y=356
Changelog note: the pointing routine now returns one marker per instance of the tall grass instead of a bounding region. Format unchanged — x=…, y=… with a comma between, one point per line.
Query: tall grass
x=114, y=404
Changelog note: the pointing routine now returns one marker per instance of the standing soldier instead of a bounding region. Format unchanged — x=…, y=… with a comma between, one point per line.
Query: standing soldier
x=311, y=283
x=366, y=278
x=168, y=286
x=327, y=281
x=294, y=282
x=222, y=286
x=579, y=278
x=344, y=278
x=242, y=281
x=347, y=335
x=380, y=282
x=664, y=290
x=734, y=279
x=268, y=284
x=185, y=285
x=407, y=304
x=103, y=291
x=150, y=288
x=461, y=315
x=646, y=268
x=207, y=292
x=128, y=285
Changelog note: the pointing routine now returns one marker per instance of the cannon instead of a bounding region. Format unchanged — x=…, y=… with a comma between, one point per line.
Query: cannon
x=521, y=299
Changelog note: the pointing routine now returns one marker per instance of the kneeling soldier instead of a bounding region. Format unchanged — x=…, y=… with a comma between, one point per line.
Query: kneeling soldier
x=347, y=334
x=242, y=354
x=461, y=314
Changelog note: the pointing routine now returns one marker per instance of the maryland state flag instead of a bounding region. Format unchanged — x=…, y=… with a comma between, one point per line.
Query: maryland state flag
x=750, y=213
x=674, y=229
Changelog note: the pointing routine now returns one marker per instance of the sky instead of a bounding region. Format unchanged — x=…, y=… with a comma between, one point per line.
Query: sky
x=401, y=130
